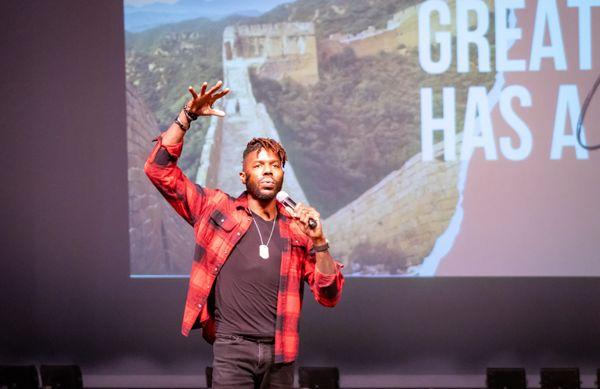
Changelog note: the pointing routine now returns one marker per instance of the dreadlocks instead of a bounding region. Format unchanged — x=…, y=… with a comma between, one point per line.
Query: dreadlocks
x=268, y=144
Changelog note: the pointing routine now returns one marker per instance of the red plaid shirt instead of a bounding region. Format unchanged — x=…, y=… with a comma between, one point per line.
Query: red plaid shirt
x=219, y=222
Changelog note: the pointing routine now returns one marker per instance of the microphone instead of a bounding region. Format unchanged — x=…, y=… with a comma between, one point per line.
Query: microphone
x=287, y=201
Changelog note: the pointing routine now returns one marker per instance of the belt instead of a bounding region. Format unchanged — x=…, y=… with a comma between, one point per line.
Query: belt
x=255, y=339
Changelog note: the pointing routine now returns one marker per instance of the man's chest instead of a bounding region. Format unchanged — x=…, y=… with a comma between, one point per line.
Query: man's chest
x=256, y=258
x=224, y=232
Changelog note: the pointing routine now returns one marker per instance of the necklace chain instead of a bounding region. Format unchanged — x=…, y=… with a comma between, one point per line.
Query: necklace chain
x=260, y=235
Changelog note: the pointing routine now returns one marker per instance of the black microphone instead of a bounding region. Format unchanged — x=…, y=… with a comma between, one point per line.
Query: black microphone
x=287, y=201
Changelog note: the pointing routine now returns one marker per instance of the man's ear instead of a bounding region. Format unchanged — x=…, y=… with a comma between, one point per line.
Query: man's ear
x=243, y=177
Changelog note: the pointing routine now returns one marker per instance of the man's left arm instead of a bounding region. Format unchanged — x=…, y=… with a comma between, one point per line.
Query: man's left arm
x=323, y=275
x=321, y=272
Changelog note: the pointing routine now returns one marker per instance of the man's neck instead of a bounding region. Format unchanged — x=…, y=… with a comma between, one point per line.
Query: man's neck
x=265, y=209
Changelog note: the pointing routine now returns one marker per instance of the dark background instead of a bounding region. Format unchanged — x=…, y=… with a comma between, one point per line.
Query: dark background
x=65, y=291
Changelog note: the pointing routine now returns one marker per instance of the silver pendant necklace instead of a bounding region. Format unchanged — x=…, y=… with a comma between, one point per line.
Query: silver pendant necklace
x=263, y=249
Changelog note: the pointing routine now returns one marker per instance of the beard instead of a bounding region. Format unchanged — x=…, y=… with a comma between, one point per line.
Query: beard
x=254, y=190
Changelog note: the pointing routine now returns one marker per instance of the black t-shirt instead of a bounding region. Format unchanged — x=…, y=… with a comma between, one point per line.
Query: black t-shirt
x=247, y=285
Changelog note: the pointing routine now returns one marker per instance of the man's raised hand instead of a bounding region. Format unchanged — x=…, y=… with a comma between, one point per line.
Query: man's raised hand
x=202, y=104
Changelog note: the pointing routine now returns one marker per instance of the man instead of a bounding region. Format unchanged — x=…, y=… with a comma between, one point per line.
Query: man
x=251, y=258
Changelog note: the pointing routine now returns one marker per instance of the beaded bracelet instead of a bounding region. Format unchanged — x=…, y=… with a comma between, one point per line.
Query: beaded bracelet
x=189, y=115
x=180, y=124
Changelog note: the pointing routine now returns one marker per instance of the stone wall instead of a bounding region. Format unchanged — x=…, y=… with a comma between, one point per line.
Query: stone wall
x=161, y=242
x=284, y=49
x=401, y=32
x=402, y=215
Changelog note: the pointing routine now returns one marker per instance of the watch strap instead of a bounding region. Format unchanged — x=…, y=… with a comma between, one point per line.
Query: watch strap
x=321, y=248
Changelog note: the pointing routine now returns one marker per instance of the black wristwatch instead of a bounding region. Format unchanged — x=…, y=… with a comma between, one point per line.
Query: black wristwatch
x=323, y=247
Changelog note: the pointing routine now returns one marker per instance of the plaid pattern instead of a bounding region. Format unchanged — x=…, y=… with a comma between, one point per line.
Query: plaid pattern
x=219, y=221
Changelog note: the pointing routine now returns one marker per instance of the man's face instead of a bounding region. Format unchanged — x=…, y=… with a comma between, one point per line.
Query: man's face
x=262, y=175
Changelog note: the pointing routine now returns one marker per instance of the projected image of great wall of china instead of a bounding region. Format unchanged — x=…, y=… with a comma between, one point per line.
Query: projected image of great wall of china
x=338, y=85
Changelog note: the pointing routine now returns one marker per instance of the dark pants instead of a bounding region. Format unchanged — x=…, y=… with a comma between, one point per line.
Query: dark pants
x=243, y=363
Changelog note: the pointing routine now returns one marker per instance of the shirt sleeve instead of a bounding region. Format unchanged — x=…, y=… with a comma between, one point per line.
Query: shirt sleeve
x=327, y=288
x=187, y=198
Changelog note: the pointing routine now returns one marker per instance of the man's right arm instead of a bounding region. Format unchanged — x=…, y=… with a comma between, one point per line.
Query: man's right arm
x=174, y=135
x=187, y=198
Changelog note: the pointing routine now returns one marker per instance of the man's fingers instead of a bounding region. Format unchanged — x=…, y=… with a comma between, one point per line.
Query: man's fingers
x=304, y=216
x=217, y=112
x=203, y=89
x=300, y=209
x=304, y=213
x=304, y=219
x=215, y=88
x=311, y=215
x=221, y=94
x=193, y=92
x=296, y=211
